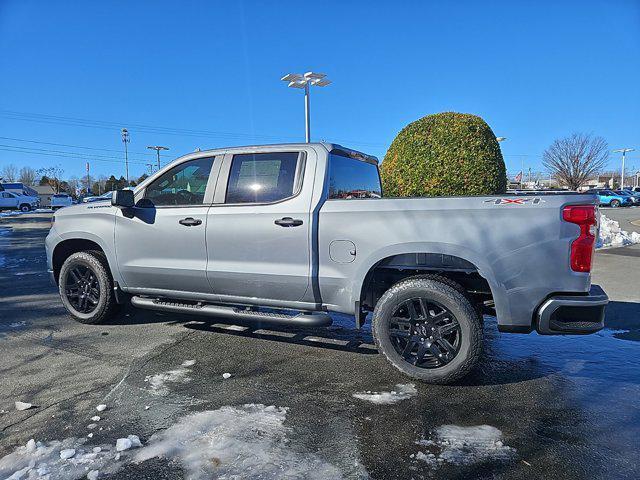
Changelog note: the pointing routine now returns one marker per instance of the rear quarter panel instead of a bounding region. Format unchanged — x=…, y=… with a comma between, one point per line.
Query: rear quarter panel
x=522, y=249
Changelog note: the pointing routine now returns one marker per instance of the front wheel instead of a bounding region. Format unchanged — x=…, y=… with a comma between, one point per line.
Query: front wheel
x=25, y=208
x=428, y=330
x=614, y=203
x=86, y=287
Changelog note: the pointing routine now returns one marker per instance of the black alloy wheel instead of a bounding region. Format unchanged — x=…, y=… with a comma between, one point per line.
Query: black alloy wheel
x=82, y=289
x=425, y=333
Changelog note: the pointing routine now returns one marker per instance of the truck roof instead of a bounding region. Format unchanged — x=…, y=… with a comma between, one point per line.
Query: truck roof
x=330, y=147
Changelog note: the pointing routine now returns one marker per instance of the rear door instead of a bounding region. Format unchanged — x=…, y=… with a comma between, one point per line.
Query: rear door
x=161, y=246
x=258, y=229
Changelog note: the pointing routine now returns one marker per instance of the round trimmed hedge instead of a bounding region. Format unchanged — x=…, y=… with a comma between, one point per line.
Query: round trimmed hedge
x=444, y=154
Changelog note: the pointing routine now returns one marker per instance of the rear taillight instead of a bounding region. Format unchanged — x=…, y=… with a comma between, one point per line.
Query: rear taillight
x=582, y=247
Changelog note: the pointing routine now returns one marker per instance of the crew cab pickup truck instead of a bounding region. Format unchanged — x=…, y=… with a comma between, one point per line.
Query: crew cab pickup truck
x=15, y=201
x=289, y=233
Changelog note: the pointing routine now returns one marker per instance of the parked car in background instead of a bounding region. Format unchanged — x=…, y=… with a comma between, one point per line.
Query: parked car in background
x=14, y=201
x=60, y=200
x=610, y=198
x=104, y=196
x=634, y=199
x=635, y=191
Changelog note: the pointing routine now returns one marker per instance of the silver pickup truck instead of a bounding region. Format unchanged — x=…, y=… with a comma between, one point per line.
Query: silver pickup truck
x=288, y=233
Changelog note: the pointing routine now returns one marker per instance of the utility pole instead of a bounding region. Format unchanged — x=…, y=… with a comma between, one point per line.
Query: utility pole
x=623, y=151
x=157, y=148
x=297, y=80
x=88, y=180
x=125, y=140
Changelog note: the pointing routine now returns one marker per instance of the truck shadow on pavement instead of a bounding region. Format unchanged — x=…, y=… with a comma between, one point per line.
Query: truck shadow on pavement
x=493, y=368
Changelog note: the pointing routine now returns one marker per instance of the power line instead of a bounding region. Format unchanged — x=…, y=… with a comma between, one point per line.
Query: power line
x=62, y=154
x=109, y=125
x=74, y=146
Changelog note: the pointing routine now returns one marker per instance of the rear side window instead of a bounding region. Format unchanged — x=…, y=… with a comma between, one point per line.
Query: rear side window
x=350, y=178
x=263, y=177
x=184, y=184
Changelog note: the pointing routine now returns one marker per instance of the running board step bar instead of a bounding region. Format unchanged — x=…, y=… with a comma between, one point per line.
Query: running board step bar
x=313, y=319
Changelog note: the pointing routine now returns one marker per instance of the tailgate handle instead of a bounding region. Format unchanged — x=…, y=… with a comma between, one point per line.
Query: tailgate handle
x=288, y=222
x=190, y=222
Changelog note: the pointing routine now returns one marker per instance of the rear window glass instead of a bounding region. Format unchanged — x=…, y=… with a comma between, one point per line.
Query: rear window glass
x=262, y=177
x=350, y=178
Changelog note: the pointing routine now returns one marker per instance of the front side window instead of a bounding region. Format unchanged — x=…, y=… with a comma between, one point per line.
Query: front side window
x=350, y=178
x=262, y=177
x=184, y=184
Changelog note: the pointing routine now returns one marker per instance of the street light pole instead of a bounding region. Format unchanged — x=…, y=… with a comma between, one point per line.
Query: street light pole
x=157, y=148
x=125, y=140
x=307, y=114
x=623, y=151
x=309, y=79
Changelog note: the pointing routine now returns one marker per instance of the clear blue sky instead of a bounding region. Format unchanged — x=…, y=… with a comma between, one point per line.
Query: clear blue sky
x=534, y=70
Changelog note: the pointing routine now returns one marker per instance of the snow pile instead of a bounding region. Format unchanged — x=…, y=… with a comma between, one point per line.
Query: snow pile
x=402, y=392
x=244, y=442
x=69, y=459
x=464, y=446
x=22, y=405
x=611, y=235
x=158, y=381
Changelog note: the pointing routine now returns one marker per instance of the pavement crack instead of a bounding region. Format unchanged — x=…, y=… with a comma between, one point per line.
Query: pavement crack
x=147, y=360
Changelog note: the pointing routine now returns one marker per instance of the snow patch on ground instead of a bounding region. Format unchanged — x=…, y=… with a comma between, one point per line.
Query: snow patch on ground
x=464, y=446
x=10, y=213
x=236, y=442
x=68, y=459
x=159, y=381
x=402, y=392
x=13, y=213
x=611, y=235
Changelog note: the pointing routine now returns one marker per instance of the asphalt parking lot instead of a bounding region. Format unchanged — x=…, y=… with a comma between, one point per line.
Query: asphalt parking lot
x=538, y=407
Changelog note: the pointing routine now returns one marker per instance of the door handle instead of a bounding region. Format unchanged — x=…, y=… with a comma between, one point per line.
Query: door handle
x=190, y=222
x=288, y=222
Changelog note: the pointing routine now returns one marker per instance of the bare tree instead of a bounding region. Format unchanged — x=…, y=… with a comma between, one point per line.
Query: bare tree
x=9, y=173
x=74, y=184
x=575, y=159
x=53, y=175
x=27, y=176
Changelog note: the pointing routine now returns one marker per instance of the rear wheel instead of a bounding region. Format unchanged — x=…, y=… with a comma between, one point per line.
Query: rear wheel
x=428, y=329
x=86, y=287
x=614, y=203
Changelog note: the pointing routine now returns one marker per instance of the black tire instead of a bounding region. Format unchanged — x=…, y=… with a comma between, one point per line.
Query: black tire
x=25, y=207
x=448, y=304
x=614, y=203
x=101, y=305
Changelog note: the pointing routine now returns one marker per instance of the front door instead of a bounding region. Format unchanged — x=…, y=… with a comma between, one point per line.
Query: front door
x=7, y=200
x=258, y=229
x=160, y=244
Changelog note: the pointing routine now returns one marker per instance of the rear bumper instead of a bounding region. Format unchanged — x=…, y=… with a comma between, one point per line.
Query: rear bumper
x=569, y=314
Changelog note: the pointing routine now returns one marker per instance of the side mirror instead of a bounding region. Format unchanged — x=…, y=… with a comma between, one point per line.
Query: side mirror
x=122, y=198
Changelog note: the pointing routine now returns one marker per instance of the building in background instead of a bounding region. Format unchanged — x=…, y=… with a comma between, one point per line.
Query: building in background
x=44, y=193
